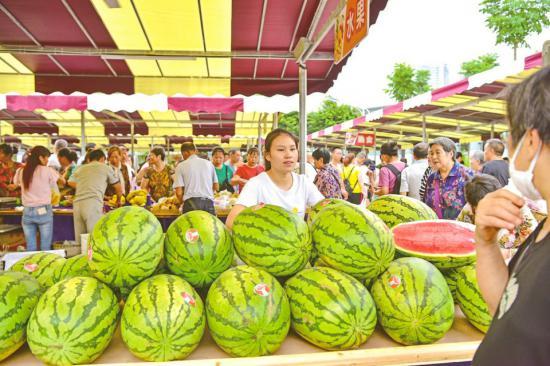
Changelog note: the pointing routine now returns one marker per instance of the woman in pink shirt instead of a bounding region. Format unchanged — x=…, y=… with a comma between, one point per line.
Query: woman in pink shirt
x=36, y=181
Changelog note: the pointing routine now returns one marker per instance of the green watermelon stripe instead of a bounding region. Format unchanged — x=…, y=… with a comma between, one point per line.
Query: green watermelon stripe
x=185, y=246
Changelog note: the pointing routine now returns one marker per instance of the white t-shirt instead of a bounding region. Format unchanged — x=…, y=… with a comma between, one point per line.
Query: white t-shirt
x=311, y=173
x=261, y=189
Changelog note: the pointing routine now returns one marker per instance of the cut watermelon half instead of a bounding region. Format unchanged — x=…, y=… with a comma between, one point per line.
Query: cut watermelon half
x=447, y=244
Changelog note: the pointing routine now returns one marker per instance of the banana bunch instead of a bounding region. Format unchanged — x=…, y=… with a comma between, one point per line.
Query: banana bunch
x=137, y=197
x=167, y=204
x=113, y=200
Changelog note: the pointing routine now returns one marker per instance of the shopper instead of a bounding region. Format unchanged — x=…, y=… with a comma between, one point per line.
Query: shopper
x=328, y=181
x=53, y=162
x=83, y=158
x=494, y=163
x=67, y=160
x=390, y=173
x=411, y=176
x=445, y=186
x=476, y=161
x=157, y=179
x=279, y=185
x=362, y=163
x=121, y=170
x=8, y=168
x=353, y=182
x=36, y=180
x=336, y=161
x=518, y=294
x=223, y=171
x=195, y=181
x=459, y=159
x=310, y=171
x=249, y=170
x=90, y=182
x=234, y=160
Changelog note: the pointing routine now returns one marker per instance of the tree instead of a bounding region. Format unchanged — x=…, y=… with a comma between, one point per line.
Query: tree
x=291, y=122
x=480, y=64
x=406, y=82
x=514, y=20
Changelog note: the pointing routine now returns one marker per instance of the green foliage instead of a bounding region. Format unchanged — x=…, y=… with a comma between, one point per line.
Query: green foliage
x=329, y=114
x=406, y=82
x=514, y=20
x=480, y=64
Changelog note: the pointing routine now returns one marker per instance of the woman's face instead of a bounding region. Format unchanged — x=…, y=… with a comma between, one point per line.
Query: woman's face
x=114, y=158
x=154, y=159
x=63, y=161
x=43, y=160
x=217, y=158
x=318, y=163
x=252, y=158
x=3, y=157
x=440, y=158
x=283, y=154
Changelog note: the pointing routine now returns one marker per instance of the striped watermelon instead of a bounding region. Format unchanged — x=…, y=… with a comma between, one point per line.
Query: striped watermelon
x=273, y=239
x=247, y=312
x=395, y=209
x=163, y=319
x=19, y=293
x=353, y=240
x=330, y=309
x=447, y=244
x=413, y=301
x=125, y=247
x=198, y=247
x=41, y=266
x=470, y=300
x=327, y=202
x=451, y=275
x=73, y=322
x=73, y=267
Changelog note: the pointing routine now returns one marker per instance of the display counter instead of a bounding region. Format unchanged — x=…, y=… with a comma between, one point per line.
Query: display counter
x=458, y=345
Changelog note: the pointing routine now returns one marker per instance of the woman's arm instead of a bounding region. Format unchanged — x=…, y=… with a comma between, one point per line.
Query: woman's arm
x=145, y=184
x=235, y=211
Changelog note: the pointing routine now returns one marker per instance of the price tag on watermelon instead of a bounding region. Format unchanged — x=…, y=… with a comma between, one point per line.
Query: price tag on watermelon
x=192, y=235
x=188, y=298
x=262, y=289
x=90, y=253
x=30, y=267
x=394, y=281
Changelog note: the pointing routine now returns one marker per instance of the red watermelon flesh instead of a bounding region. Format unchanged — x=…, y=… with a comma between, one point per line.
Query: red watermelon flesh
x=445, y=243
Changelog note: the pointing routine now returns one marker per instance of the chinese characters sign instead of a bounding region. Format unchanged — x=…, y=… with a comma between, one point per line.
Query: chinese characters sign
x=350, y=28
x=366, y=139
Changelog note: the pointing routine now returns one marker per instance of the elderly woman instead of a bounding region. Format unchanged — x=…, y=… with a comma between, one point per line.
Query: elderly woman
x=327, y=180
x=445, y=186
x=122, y=172
x=476, y=161
x=158, y=179
x=518, y=294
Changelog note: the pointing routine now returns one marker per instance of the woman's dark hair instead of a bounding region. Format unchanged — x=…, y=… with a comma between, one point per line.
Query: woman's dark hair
x=8, y=150
x=269, y=142
x=67, y=154
x=32, y=163
x=323, y=154
x=389, y=148
x=96, y=155
x=478, y=187
x=218, y=150
x=446, y=143
x=159, y=151
x=529, y=106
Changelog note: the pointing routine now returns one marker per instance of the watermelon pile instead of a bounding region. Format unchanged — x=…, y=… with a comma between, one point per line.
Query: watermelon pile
x=395, y=209
x=41, y=266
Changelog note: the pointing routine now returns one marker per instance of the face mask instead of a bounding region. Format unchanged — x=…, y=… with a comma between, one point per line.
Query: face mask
x=523, y=180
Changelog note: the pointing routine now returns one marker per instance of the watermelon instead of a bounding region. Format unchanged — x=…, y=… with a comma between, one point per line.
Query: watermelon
x=198, y=247
x=125, y=247
x=19, y=293
x=327, y=202
x=447, y=244
x=163, y=319
x=330, y=309
x=73, y=267
x=353, y=240
x=73, y=322
x=273, y=239
x=451, y=275
x=395, y=209
x=470, y=300
x=413, y=301
x=41, y=266
x=248, y=312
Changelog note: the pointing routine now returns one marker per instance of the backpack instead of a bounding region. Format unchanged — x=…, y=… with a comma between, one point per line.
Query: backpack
x=347, y=184
x=226, y=185
x=397, y=187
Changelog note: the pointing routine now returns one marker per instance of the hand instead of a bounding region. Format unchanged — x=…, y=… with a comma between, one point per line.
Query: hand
x=11, y=187
x=345, y=194
x=497, y=210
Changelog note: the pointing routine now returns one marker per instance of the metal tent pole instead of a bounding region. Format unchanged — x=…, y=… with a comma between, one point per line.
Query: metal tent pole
x=132, y=149
x=492, y=130
x=82, y=134
x=260, y=138
x=168, y=148
x=275, y=120
x=424, y=135
x=302, y=80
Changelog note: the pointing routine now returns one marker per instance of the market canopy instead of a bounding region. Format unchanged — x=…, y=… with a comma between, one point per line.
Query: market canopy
x=191, y=47
x=472, y=109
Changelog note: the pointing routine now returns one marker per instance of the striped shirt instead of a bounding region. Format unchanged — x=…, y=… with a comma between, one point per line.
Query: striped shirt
x=424, y=182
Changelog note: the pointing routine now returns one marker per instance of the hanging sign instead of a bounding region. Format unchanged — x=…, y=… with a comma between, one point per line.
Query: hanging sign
x=366, y=139
x=350, y=138
x=351, y=27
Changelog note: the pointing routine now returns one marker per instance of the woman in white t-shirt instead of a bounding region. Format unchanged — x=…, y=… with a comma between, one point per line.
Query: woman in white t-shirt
x=278, y=185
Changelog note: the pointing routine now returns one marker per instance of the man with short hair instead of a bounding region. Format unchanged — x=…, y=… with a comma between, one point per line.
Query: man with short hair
x=90, y=181
x=494, y=163
x=411, y=176
x=476, y=161
x=195, y=181
x=53, y=162
x=336, y=161
x=234, y=159
x=89, y=147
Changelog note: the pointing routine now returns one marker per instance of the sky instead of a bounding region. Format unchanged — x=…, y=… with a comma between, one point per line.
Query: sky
x=421, y=33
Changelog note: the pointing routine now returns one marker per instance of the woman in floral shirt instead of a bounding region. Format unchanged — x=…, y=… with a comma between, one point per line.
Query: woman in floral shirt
x=328, y=179
x=445, y=186
x=158, y=178
x=8, y=167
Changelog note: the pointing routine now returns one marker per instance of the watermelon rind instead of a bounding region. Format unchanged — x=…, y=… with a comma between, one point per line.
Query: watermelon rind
x=198, y=247
x=395, y=209
x=470, y=300
x=413, y=301
x=73, y=322
x=19, y=293
x=247, y=311
x=163, y=319
x=327, y=202
x=273, y=239
x=353, y=240
x=41, y=265
x=330, y=309
x=76, y=266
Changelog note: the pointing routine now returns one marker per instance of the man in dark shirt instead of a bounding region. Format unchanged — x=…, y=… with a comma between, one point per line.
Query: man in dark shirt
x=494, y=163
